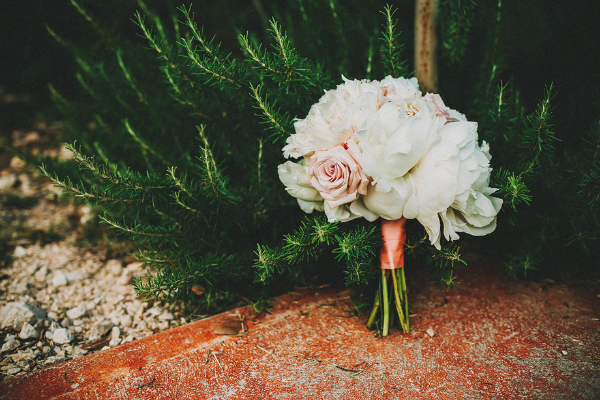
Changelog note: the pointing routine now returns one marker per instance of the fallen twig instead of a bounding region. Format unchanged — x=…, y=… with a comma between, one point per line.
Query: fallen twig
x=151, y=383
x=265, y=350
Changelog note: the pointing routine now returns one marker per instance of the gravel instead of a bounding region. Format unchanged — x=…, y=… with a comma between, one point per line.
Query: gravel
x=62, y=299
x=51, y=323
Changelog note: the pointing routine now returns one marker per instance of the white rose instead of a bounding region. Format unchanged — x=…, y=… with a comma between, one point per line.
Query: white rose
x=401, y=88
x=397, y=140
x=334, y=119
x=295, y=178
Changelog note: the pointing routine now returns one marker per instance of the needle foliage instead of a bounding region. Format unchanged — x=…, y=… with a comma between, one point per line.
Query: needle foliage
x=182, y=111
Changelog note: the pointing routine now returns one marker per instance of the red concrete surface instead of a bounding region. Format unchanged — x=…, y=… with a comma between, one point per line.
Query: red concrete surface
x=494, y=339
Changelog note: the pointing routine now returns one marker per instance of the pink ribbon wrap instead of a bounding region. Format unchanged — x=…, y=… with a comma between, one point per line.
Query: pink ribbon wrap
x=394, y=236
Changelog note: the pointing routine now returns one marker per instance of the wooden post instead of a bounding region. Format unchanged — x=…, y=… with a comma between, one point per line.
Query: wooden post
x=426, y=45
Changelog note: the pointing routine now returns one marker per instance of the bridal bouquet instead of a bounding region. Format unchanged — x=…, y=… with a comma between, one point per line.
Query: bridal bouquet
x=382, y=149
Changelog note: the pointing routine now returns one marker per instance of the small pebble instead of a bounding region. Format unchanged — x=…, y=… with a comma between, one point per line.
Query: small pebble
x=75, y=313
x=19, y=252
x=115, y=332
x=54, y=326
x=103, y=327
x=10, y=344
x=62, y=335
x=166, y=316
x=28, y=332
x=41, y=274
x=59, y=279
x=114, y=267
x=430, y=332
x=126, y=321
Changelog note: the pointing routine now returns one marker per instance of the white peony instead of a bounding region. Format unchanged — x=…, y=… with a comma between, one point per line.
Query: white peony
x=335, y=118
x=420, y=159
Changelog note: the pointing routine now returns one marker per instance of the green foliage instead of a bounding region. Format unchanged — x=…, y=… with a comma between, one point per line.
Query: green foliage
x=179, y=125
x=393, y=63
x=456, y=24
x=355, y=245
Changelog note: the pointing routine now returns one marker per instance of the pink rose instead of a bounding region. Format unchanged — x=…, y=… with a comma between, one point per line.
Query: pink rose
x=337, y=175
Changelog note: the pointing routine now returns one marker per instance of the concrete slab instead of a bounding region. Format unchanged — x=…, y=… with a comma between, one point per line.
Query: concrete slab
x=493, y=338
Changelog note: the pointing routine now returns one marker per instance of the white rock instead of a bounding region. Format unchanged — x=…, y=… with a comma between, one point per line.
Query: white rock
x=62, y=335
x=6, y=182
x=430, y=332
x=41, y=274
x=10, y=344
x=114, y=267
x=154, y=311
x=19, y=252
x=163, y=326
x=166, y=316
x=133, y=269
x=52, y=315
x=53, y=326
x=129, y=338
x=49, y=335
x=90, y=305
x=126, y=320
x=54, y=360
x=13, y=371
x=115, y=333
x=75, y=313
x=28, y=332
x=15, y=314
x=103, y=327
x=59, y=279
x=20, y=286
x=22, y=356
x=114, y=342
x=74, y=276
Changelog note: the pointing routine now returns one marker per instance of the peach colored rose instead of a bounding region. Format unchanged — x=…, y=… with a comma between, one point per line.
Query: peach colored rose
x=337, y=175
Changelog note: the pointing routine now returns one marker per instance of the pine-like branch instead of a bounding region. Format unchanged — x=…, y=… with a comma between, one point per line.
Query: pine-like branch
x=280, y=124
x=538, y=137
x=456, y=16
x=359, y=243
x=80, y=191
x=512, y=188
x=393, y=63
x=214, y=65
x=210, y=171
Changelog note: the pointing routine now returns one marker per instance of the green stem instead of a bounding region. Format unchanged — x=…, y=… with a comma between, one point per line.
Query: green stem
x=399, y=302
x=386, y=303
x=403, y=280
x=374, y=310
